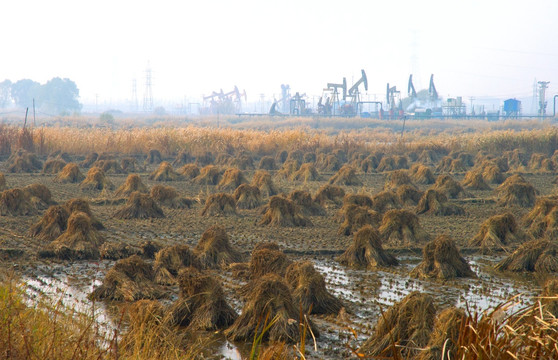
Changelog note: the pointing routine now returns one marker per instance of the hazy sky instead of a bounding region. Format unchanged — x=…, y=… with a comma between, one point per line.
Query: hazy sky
x=474, y=48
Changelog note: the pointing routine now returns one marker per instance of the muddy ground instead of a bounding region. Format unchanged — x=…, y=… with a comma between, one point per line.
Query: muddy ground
x=365, y=293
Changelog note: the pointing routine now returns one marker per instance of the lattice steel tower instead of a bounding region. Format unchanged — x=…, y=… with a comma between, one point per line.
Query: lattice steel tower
x=148, y=95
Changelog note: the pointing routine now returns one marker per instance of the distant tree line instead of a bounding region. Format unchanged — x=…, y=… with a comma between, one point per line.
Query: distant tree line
x=57, y=96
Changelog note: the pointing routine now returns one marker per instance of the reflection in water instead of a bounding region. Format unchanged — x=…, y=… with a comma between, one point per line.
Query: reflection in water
x=366, y=293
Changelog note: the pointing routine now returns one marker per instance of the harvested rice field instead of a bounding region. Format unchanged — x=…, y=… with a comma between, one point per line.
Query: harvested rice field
x=325, y=250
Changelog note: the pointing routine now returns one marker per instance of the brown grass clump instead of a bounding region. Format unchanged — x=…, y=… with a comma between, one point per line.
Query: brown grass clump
x=402, y=228
x=270, y=298
x=355, y=217
x=189, y=171
x=442, y=261
x=534, y=256
x=498, y=232
x=309, y=289
x=449, y=187
x=408, y=194
x=89, y=160
x=154, y=157
x=149, y=248
x=202, y=304
x=306, y=172
x=345, y=176
x=204, y=159
x=446, y=334
x=358, y=199
x=385, y=200
x=407, y=323
x=450, y=165
x=542, y=208
x=422, y=174
x=541, y=163
x=219, y=204
x=131, y=165
x=366, y=251
x=516, y=158
x=267, y=259
x=474, y=180
x=81, y=205
x=283, y=212
x=209, y=175
x=281, y=156
x=232, y=178
x=329, y=163
x=96, y=180
x=262, y=180
x=369, y=164
x=214, y=249
x=542, y=220
x=309, y=157
x=428, y=157
x=52, y=224
x=169, y=197
x=243, y=162
x=2, y=182
x=549, y=296
x=53, y=166
x=16, y=202
x=24, y=162
x=492, y=173
x=267, y=163
x=435, y=203
x=109, y=166
x=329, y=195
x=39, y=195
x=304, y=201
x=288, y=169
x=164, y=172
x=515, y=191
x=129, y=279
x=169, y=260
x=69, y=174
x=390, y=163
x=139, y=206
x=117, y=251
x=80, y=241
x=133, y=183
x=295, y=155
x=396, y=178
x=247, y=197
x=183, y=158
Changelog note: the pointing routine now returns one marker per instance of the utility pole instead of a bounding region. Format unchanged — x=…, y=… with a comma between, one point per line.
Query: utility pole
x=472, y=108
x=543, y=85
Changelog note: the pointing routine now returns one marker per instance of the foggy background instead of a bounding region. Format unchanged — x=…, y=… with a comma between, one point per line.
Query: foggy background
x=488, y=50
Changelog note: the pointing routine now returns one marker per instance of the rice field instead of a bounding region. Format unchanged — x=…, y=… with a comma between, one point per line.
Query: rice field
x=278, y=238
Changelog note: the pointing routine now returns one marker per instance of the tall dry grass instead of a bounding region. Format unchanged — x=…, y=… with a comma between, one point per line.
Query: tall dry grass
x=46, y=330
x=266, y=135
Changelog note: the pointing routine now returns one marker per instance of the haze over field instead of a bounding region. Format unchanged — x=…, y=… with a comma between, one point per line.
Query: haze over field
x=485, y=49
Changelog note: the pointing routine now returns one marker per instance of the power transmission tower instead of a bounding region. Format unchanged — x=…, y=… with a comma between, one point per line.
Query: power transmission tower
x=148, y=95
x=543, y=85
x=135, y=95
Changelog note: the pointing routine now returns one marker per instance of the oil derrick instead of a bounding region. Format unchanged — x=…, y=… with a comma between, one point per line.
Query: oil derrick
x=543, y=85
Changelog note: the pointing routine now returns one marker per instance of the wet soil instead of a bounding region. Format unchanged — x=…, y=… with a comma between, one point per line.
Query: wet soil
x=365, y=293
